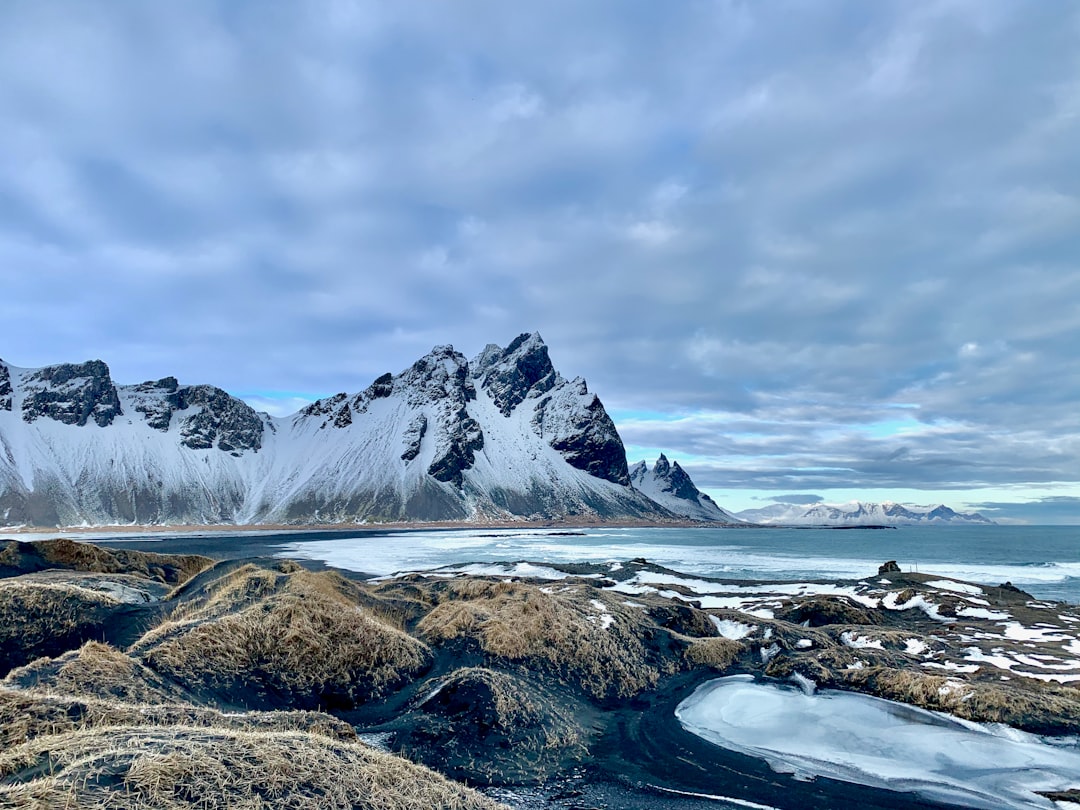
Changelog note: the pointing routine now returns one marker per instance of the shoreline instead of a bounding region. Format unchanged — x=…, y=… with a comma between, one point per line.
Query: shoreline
x=218, y=528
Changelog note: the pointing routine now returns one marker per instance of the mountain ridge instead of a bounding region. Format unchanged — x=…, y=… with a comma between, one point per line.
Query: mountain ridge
x=501, y=436
x=860, y=513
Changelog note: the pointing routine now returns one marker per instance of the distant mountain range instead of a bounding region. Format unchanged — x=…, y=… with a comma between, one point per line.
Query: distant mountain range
x=857, y=513
x=500, y=436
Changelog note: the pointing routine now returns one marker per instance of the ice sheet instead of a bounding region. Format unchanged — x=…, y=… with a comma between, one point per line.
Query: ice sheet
x=856, y=738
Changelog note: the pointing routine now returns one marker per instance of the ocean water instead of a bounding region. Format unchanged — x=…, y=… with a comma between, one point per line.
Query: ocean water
x=1043, y=560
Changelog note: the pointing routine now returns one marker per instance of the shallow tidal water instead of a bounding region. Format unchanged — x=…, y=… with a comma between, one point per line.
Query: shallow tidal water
x=1043, y=560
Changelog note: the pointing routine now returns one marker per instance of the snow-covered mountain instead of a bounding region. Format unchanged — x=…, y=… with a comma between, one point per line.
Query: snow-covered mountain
x=670, y=486
x=500, y=436
x=857, y=513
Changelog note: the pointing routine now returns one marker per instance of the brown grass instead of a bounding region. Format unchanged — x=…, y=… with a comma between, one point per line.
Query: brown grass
x=520, y=622
x=1039, y=708
x=717, y=653
x=28, y=714
x=295, y=636
x=172, y=768
x=96, y=670
x=46, y=619
x=171, y=568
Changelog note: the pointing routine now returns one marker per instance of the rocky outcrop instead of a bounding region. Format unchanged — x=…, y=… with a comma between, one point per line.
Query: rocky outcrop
x=71, y=394
x=523, y=369
x=669, y=485
x=209, y=416
x=575, y=423
x=221, y=421
x=5, y=387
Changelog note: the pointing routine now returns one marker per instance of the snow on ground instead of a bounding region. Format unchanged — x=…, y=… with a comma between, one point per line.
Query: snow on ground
x=875, y=742
x=915, y=646
x=982, y=613
x=956, y=587
x=852, y=639
x=731, y=629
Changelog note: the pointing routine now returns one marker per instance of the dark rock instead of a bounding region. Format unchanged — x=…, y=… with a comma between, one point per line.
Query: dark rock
x=154, y=407
x=523, y=368
x=230, y=423
x=343, y=418
x=583, y=433
x=5, y=387
x=324, y=407
x=889, y=568
x=413, y=437
x=72, y=394
x=458, y=452
x=382, y=387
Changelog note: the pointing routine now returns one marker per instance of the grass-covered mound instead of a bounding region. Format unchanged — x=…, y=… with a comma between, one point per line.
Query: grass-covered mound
x=97, y=670
x=26, y=714
x=179, y=767
x=577, y=631
x=47, y=619
x=267, y=639
x=17, y=557
x=526, y=733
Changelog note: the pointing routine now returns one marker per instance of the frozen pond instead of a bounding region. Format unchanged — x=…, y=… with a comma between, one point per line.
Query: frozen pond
x=869, y=741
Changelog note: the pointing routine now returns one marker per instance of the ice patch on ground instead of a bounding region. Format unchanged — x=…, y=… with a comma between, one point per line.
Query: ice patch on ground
x=874, y=742
x=733, y=630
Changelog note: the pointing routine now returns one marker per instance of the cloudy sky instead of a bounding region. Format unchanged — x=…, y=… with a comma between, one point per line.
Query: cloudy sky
x=813, y=250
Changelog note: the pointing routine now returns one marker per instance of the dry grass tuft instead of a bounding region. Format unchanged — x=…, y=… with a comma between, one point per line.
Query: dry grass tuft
x=27, y=714
x=173, y=768
x=521, y=622
x=96, y=670
x=267, y=639
x=718, y=653
x=1041, y=708
x=39, y=619
x=171, y=568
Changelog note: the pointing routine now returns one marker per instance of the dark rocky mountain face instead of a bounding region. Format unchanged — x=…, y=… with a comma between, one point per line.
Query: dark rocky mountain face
x=573, y=421
x=221, y=420
x=521, y=369
x=677, y=482
x=230, y=423
x=5, y=387
x=586, y=437
x=72, y=394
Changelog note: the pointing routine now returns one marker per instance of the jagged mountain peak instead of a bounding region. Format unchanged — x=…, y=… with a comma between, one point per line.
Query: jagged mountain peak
x=671, y=486
x=521, y=370
x=5, y=387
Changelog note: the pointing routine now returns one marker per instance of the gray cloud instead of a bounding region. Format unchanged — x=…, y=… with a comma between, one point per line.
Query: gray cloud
x=780, y=220
x=1052, y=509
x=798, y=499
